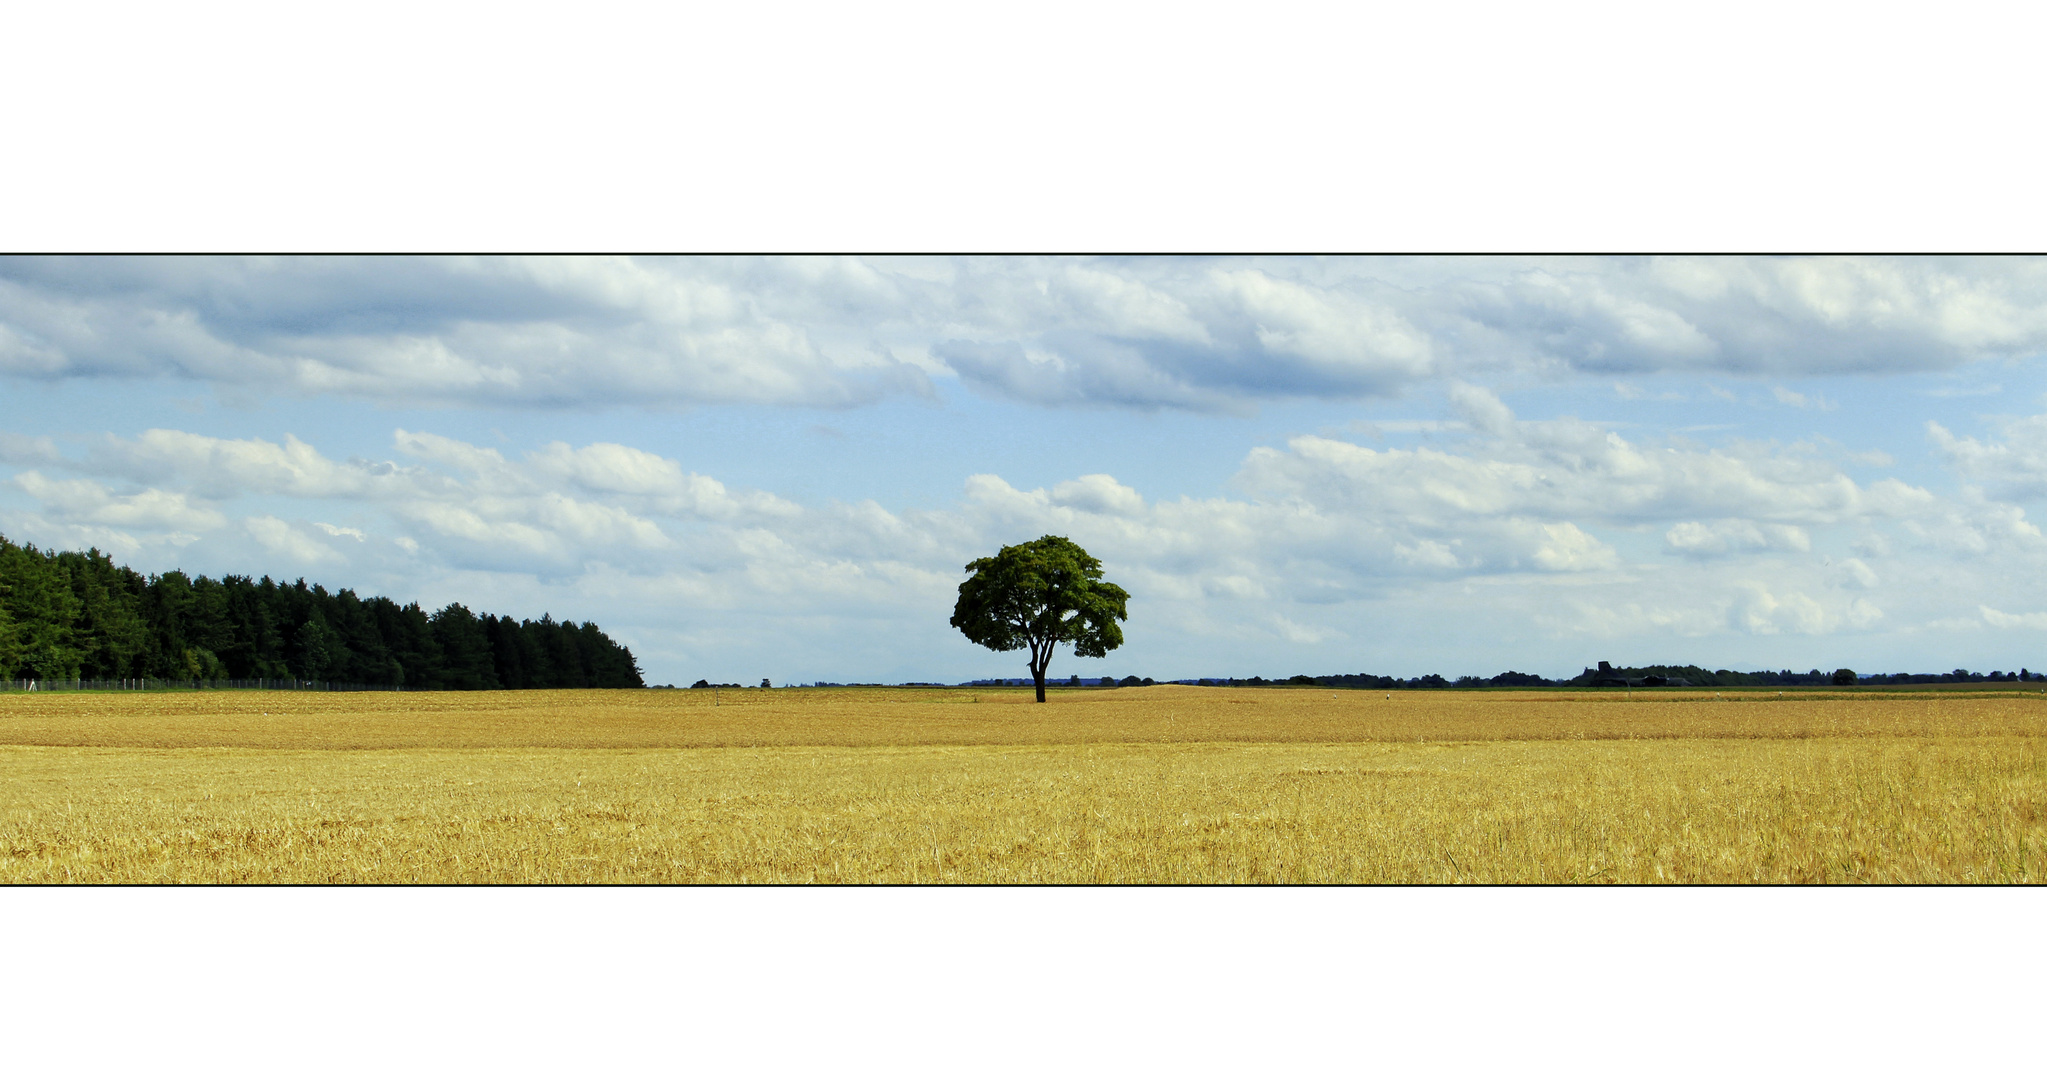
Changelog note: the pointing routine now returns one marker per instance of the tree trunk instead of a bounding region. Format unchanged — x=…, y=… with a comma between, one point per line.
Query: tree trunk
x=1038, y=674
x=1040, y=677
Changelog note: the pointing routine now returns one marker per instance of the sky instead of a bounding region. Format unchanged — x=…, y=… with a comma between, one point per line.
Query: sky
x=776, y=468
x=748, y=468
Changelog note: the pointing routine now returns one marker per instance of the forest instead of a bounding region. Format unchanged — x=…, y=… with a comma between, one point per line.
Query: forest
x=78, y=615
x=1660, y=675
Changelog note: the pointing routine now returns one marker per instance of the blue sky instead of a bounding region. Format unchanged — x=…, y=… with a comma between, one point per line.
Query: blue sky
x=775, y=468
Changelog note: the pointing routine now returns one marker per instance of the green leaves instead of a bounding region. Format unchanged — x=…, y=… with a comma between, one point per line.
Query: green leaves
x=77, y=615
x=1037, y=594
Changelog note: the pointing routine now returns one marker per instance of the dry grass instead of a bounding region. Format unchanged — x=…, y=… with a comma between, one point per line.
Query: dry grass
x=644, y=719
x=1164, y=784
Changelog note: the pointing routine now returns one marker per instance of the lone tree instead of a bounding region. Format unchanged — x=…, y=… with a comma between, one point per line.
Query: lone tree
x=1037, y=594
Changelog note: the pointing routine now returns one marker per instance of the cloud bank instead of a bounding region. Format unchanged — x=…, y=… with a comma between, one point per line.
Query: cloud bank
x=1523, y=534
x=1184, y=334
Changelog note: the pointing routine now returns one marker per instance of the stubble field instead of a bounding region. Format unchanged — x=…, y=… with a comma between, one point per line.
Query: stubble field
x=1161, y=784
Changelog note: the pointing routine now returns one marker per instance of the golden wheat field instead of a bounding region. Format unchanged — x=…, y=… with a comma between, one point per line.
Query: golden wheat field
x=1160, y=784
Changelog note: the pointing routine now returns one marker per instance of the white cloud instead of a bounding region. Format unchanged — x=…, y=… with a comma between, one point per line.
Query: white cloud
x=1989, y=390
x=454, y=331
x=1564, y=546
x=1203, y=334
x=281, y=538
x=1119, y=306
x=1098, y=493
x=1572, y=469
x=1797, y=400
x=73, y=536
x=1538, y=530
x=2034, y=620
x=1427, y=555
x=1734, y=535
x=1762, y=612
x=1687, y=607
x=1299, y=634
x=1344, y=333
x=609, y=469
x=1481, y=408
x=222, y=468
x=487, y=466
x=1631, y=392
x=2013, y=468
x=22, y=450
x=1579, y=617
x=1973, y=527
x=84, y=501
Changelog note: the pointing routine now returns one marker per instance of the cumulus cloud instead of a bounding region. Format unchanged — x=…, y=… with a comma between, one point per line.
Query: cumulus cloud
x=1564, y=546
x=16, y=449
x=453, y=331
x=1857, y=574
x=63, y=535
x=1861, y=614
x=1521, y=503
x=1201, y=334
x=552, y=502
x=1974, y=527
x=1574, y=469
x=2013, y=468
x=1428, y=555
x=1705, y=539
x=1099, y=493
x=1246, y=329
x=1481, y=408
x=1080, y=371
x=1541, y=527
x=559, y=505
x=2031, y=620
x=1349, y=338
x=1762, y=612
x=84, y=501
x=1299, y=634
x=221, y=468
x=1797, y=400
x=1770, y=316
x=282, y=538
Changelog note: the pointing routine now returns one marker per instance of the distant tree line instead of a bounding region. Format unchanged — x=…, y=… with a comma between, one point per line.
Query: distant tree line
x=1654, y=675
x=77, y=615
x=1071, y=681
x=1604, y=675
x=1651, y=675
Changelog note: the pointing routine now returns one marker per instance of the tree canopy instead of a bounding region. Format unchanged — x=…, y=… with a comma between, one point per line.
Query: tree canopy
x=1037, y=594
x=78, y=615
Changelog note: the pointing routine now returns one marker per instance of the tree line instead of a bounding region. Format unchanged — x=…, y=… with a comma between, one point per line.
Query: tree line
x=78, y=615
x=1649, y=675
